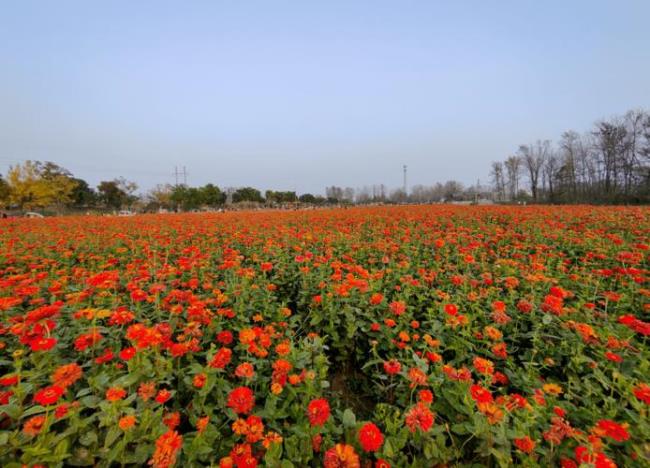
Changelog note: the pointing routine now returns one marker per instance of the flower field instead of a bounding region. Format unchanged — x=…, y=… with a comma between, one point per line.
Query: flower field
x=365, y=337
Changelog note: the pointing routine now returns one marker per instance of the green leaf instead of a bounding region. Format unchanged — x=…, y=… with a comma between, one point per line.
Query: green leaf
x=349, y=419
x=88, y=438
x=113, y=433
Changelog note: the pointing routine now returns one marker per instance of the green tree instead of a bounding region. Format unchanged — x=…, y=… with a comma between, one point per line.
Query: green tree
x=117, y=193
x=187, y=198
x=83, y=194
x=247, y=194
x=4, y=191
x=307, y=198
x=213, y=195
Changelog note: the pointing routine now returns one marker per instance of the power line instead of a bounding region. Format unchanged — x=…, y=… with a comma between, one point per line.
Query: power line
x=178, y=173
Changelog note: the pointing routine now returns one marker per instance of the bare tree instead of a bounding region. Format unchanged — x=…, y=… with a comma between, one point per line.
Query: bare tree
x=533, y=157
x=498, y=179
x=513, y=172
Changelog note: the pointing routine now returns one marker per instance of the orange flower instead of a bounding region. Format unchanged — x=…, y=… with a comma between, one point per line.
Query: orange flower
x=167, y=447
x=271, y=438
x=115, y=393
x=66, y=375
x=146, y=390
x=202, y=423
x=199, y=380
x=127, y=422
x=483, y=366
x=417, y=377
x=341, y=456
x=552, y=389
x=34, y=425
x=245, y=370
x=525, y=444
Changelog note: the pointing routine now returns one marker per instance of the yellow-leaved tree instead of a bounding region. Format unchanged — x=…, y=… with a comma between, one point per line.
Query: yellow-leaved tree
x=34, y=184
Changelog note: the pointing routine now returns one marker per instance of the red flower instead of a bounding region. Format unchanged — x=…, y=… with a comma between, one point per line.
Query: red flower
x=42, y=344
x=525, y=444
x=398, y=307
x=559, y=411
x=642, y=392
x=127, y=353
x=316, y=442
x=225, y=337
x=9, y=381
x=419, y=417
x=613, y=357
x=612, y=429
x=392, y=367
x=318, y=411
x=61, y=410
x=425, y=396
x=370, y=437
x=163, y=395
x=451, y=309
x=598, y=459
x=376, y=298
x=199, y=380
x=241, y=400
x=221, y=358
x=481, y=394
x=48, y=395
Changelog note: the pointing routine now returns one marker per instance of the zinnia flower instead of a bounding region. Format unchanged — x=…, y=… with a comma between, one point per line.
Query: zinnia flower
x=34, y=425
x=115, y=393
x=642, y=392
x=525, y=444
x=370, y=437
x=419, y=417
x=318, y=411
x=48, y=395
x=66, y=375
x=392, y=367
x=612, y=429
x=126, y=422
x=241, y=400
x=341, y=456
x=167, y=447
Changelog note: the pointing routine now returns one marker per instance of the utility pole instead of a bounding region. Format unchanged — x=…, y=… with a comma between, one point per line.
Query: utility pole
x=405, y=189
x=178, y=173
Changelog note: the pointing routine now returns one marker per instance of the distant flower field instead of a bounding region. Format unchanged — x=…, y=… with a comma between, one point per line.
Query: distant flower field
x=366, y=337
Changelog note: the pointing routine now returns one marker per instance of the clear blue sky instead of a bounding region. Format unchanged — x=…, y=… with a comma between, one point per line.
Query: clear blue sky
x=300, y=95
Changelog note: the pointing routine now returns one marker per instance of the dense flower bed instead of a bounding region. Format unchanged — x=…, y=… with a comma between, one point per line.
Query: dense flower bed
x=403, y=336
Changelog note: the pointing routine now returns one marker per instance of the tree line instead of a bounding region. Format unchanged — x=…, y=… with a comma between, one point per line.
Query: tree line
x=610, y=163
x=39, y=185
x=36, y=185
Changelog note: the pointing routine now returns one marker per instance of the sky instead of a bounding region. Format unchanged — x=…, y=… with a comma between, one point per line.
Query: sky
x=302, y=95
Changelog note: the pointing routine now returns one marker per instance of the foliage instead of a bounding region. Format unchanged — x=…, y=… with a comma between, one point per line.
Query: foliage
x=389, y=336
x=116, y=193
x=190, y=198
x=280, y=197
x=249, y=194
x=34, y=184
